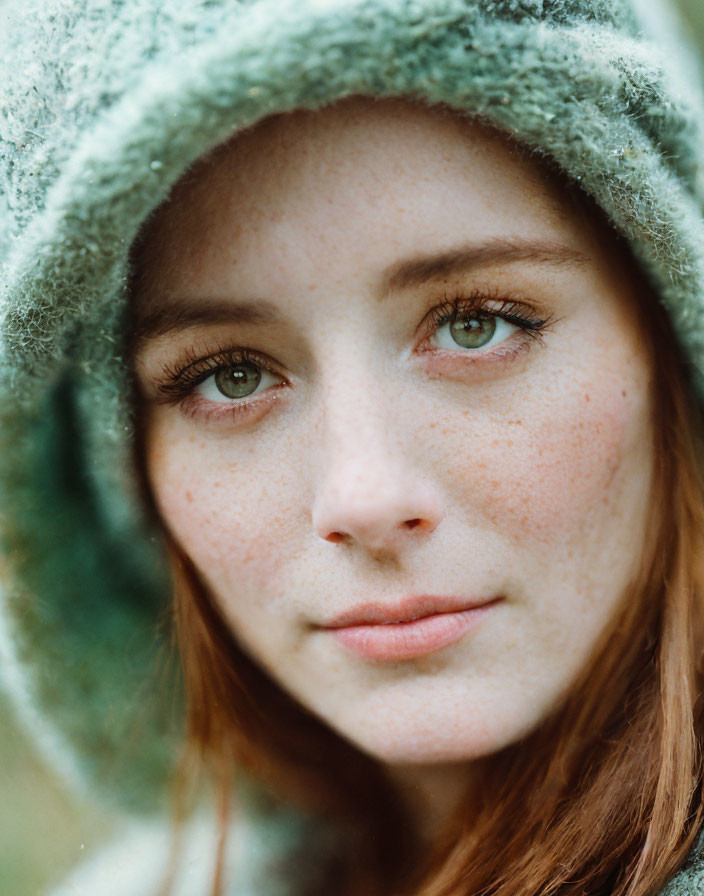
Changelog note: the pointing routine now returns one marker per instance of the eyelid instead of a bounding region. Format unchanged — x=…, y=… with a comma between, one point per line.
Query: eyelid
x=246, y=410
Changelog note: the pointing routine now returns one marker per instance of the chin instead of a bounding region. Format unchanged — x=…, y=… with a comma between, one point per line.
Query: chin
x=399, y=744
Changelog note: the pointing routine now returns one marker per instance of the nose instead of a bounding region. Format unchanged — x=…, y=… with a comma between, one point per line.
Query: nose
x=369, y=490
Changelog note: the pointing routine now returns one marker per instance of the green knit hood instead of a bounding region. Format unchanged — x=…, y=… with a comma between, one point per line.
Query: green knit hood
x=103, y=106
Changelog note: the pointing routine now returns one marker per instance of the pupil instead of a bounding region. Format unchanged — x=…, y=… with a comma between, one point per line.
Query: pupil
x=473, y=332
x=238, y=381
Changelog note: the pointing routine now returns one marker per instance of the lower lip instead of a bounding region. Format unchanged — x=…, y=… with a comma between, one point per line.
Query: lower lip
x=407, y=640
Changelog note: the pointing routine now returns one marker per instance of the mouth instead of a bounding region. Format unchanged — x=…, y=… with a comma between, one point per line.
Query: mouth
x=414, y=627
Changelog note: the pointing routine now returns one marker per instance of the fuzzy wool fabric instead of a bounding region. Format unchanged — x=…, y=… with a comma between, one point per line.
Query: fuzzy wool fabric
x=104, y=104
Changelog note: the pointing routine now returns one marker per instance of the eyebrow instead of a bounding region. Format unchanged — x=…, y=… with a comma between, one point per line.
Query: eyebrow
x=167, y=318
x=404, y=275
x=424, y=268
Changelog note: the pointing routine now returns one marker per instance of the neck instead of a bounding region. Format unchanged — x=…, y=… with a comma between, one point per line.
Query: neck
x=432, y=793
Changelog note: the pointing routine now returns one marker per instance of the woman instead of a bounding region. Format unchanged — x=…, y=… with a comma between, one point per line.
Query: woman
x=412, y=417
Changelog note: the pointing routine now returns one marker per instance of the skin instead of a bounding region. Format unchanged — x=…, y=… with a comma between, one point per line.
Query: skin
x=389, y=464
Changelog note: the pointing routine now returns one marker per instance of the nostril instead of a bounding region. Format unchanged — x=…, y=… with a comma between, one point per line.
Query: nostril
x=379, y=517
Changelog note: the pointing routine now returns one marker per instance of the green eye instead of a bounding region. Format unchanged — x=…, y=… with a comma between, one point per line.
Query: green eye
x=473, y=332
x=238, y=381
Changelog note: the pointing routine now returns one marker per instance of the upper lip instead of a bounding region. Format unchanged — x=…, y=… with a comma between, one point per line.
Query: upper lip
x=407, y=609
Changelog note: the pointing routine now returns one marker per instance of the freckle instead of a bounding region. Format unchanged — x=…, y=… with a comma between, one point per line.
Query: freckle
x=623, y=392
x=586, y=397
x=189, y=497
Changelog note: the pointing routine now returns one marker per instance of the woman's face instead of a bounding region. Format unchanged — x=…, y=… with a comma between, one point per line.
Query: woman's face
x=398, y=414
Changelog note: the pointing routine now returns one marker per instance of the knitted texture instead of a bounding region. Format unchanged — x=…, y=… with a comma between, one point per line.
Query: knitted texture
x=103, y=106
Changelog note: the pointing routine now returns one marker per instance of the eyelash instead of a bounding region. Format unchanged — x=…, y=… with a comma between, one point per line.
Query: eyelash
x=178, y=382
x=476, y=304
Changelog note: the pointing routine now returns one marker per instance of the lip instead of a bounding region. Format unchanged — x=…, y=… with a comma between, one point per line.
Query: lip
x=413, y=627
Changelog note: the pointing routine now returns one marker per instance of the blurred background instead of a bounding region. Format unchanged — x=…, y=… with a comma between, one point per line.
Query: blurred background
x=693, y=13
x=44, y=829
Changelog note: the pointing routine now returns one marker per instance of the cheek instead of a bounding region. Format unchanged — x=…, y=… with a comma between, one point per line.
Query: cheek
x=229, y=519
x=569, y=461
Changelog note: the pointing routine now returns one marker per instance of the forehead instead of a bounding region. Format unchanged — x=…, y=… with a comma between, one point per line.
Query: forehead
x=345, y=189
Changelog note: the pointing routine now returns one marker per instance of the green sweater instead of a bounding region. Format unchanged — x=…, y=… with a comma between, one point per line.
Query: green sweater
x=103, y=105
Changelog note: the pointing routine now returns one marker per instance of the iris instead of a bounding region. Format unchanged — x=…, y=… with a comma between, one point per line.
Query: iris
x=238, y=381
x=473, y=332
